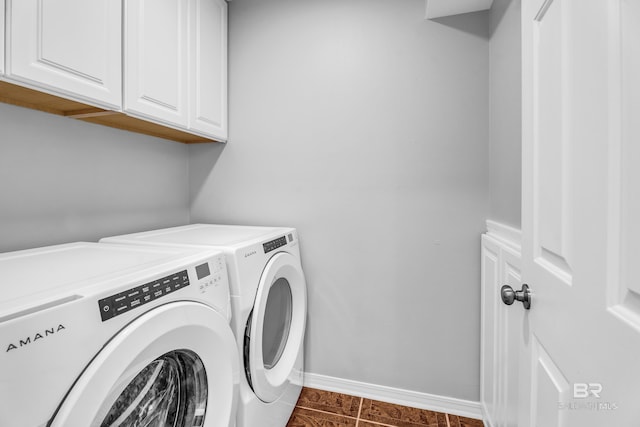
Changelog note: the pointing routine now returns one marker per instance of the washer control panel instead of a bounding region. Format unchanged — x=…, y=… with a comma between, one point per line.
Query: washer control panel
x=123, y=302
x=214, y=275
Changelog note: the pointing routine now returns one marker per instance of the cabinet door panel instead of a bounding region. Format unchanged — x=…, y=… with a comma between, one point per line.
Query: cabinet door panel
x=156, y=60
x=489, y=373
x=502, y=345
x=69, y=47
x=208, y=50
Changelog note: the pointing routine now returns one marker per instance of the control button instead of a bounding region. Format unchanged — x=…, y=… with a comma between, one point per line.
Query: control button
x=106, y=308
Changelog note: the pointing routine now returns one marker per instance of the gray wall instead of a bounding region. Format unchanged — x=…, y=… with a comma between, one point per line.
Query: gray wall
x=505, y=103
x=63, y=180
x=366, y=127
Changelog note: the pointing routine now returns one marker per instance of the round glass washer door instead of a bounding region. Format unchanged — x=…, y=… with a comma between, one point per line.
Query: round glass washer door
x=176, y=365
x=276, y=329
x=169, y=391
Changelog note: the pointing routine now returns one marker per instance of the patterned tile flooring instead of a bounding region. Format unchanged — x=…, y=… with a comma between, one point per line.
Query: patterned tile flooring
x=319, y=408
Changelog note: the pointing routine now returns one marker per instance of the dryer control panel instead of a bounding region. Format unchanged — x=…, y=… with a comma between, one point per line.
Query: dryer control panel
x=272, y=245
x=122, y=302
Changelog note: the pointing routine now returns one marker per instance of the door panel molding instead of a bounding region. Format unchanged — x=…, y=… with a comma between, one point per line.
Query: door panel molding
x=549, y=388
x=551, y=144
x=624, y=206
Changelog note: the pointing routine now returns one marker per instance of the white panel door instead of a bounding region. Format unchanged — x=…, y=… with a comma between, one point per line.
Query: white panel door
x=155, y=77
x=208, y=63
x=581, y=186
x=70, y=47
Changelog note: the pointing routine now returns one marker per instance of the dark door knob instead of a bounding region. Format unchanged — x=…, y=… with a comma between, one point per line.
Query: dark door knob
x=508, y=295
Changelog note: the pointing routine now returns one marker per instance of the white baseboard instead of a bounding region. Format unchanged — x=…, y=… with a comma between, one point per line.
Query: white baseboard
x=414, y=399
x=486, y=419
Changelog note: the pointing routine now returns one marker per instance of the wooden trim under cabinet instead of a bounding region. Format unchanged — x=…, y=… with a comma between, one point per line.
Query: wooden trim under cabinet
x=36, y=100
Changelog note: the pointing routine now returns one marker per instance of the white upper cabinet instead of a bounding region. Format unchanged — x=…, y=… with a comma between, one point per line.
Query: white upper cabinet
x=1, y=37
x=176, y=64
x=208, y=63
x=150, y=66
x=67, y=47
x=156, y=55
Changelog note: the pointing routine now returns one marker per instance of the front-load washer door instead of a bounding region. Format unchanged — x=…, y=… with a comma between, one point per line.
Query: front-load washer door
x=176, y=365
x=276, y=330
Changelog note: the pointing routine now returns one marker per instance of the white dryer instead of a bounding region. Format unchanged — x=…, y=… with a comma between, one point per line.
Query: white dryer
x=269, y=306
x=116, y=336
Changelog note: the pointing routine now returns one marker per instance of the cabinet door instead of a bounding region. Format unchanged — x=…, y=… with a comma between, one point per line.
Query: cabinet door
x=208, y=67
x=156, y=60
x=69, y=47
x=489, y=371
x=1, y=37
x=502, y=346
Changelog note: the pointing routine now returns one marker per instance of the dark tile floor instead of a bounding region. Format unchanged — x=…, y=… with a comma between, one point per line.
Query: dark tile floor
x=319, y=408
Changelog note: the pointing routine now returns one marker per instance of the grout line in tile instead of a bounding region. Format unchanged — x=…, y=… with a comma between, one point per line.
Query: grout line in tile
x=359, y=412
x=391, y=425
x=325, y=412
x=380, y=424
x=447, y=417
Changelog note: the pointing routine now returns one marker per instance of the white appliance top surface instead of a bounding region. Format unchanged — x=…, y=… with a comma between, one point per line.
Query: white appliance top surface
x=205, y=235
x=33, y=276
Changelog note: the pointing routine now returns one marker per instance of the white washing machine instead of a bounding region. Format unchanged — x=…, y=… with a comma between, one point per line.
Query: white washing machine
x=116, y=336
x=269, y=305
